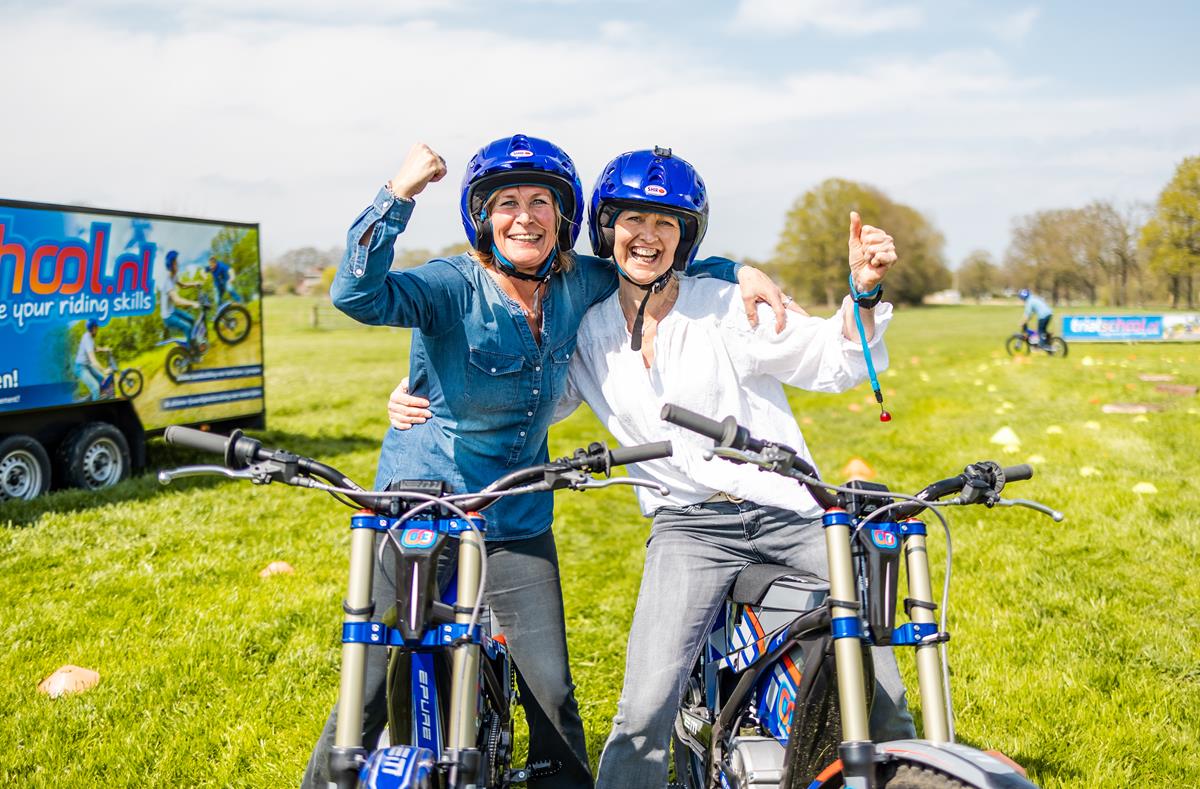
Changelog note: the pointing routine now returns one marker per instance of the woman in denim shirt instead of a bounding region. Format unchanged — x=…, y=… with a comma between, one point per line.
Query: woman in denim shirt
x=495, y=335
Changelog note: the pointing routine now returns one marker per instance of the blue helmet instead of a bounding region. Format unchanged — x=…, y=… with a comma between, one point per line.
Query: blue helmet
x=171, y=256
x=92, y=323
x=1023, y=293
x=520, y=160
x=650, y=180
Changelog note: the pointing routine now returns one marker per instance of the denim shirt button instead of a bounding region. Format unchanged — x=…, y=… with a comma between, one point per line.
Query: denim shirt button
x=528, y=413
x=537, y=369
x=358, y=272
x=522, y=432
x=493, y=369
x=535, y=391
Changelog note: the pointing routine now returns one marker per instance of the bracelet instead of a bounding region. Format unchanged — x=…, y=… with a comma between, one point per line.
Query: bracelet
x=866, y=300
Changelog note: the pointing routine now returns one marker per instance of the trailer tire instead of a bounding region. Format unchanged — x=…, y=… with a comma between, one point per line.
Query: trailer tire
x=94, y=456
x=24, y=468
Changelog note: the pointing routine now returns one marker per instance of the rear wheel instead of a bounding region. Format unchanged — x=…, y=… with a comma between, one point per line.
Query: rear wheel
x=232, y=323
x=177, y=364
x=1057, y=347
x=24, y=468
x=94, y=456
x=1016, y=344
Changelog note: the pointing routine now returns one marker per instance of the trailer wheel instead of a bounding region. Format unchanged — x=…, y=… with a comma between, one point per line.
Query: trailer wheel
x=94, y=456
x=24, y=468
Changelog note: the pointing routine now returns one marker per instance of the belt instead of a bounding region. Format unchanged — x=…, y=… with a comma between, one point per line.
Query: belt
x=723, y=496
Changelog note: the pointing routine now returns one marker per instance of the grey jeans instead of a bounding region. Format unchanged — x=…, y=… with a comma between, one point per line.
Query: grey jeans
x=692, y=558
x=525, y=596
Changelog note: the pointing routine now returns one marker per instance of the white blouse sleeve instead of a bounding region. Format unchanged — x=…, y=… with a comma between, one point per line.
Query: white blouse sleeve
x=811, y=353
x=571, y=397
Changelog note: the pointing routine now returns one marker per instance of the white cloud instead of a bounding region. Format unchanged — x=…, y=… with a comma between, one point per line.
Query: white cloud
x=1015, y=27
x=843, y=17
x=297, y=125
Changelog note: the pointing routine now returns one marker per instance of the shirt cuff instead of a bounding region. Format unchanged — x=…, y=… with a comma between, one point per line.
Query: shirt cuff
x=390, y=207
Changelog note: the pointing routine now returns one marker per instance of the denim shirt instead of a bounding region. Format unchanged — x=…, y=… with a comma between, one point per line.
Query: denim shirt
x=492, y=387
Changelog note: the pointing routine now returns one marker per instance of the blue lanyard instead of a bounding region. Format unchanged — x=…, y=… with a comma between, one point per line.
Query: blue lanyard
x=884, y=416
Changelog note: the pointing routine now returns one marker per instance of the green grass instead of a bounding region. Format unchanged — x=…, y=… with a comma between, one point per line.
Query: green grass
x=1074, y=645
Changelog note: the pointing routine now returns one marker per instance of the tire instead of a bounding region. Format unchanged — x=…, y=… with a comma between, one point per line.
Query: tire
x=24, y=469
x=1016, y=344
x=94, y=456
x=1058, y=347
x=129, y=383
x=917, y=776
x=907, y=775
x=232, y=323
x=177, y=363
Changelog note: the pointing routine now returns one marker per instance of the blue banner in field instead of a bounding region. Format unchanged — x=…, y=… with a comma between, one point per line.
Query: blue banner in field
x=1131, y=328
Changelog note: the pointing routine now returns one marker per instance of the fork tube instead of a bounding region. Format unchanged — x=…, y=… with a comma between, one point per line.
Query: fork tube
x=464, y=680
x=354, y=656
x=847, y=651
x=929, y=664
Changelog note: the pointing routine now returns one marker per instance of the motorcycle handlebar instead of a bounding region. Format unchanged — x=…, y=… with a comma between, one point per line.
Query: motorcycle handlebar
x=623, y=456
x=727, y=432
x=196, y=439
x=1017, y=473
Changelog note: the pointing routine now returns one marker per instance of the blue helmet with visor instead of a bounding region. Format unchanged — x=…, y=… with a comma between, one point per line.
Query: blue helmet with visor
x=1023, y=293
x=647, y=180
x=513, y=161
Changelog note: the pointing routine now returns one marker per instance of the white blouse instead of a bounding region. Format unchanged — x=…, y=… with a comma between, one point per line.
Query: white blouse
x=709, y=360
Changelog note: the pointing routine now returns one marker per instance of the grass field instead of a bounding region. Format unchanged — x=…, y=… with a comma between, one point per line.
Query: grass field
x=1074, y=645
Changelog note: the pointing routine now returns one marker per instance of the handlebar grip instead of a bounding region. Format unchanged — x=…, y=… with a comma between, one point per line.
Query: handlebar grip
x=623, y=456
x=690, y=420
x=196, y=439
x=1017, y=473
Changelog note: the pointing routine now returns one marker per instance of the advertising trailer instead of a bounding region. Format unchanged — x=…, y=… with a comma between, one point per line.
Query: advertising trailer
x=115, y=325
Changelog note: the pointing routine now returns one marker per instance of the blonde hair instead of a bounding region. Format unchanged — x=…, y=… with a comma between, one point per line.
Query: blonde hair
x=563, y=262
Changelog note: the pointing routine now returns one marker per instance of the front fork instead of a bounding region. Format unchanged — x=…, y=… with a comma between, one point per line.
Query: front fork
x=462, y=750
x=348, y=754
x=856, y=750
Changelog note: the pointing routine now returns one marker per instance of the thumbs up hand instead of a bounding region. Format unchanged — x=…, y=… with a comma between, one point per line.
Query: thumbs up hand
x=872, y=253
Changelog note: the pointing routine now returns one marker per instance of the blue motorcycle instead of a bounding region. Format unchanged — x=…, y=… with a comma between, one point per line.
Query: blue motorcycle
x=780, y=697
x=450, y=682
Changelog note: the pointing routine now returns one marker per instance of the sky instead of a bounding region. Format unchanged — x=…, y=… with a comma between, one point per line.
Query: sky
x=292, y=113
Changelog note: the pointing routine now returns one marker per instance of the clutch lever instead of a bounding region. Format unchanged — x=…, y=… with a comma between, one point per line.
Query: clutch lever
x=591, y=484
x=258, y=474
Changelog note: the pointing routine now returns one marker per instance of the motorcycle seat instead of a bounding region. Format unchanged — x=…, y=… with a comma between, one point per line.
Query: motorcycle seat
x=755, y=580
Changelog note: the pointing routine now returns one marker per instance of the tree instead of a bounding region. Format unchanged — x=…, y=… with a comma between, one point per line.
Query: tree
x=1171, y=239
x=286, y=272
x=810, y=258
x=978, y=276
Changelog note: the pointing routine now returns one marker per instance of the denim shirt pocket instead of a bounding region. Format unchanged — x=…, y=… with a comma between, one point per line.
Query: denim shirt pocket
x=560, y=366
x=494, y=380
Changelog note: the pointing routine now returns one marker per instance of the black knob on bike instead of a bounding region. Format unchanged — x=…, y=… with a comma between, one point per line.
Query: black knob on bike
x=196, y=439
x=1017, y=473
x=623, y=456
x=727, y=433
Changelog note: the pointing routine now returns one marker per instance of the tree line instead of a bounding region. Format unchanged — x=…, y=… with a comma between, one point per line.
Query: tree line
x=1101, y=253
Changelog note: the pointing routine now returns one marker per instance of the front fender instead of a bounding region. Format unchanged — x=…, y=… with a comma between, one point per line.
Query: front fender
x=970, y=765
x=398, y=767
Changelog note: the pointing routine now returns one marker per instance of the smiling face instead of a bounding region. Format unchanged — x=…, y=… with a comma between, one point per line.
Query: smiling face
x=524, y=225
x=644, y=244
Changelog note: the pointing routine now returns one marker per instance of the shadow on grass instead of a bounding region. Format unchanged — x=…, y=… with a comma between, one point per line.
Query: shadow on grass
x=1036, y=766
x=161, y=455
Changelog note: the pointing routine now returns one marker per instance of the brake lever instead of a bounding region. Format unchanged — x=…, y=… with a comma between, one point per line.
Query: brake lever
x=735, y=456
x=255, y=474
x=1033, y=505
x=592, y=484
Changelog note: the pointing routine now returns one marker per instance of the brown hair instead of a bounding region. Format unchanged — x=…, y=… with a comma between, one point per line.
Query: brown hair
x=563, y=262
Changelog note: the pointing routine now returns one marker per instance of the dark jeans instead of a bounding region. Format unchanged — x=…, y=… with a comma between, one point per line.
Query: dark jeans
x=525, y=596
x=1044, y=329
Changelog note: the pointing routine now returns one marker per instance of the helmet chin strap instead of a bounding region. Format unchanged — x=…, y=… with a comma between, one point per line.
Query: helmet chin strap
x=509, y=269
x=635, y=342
